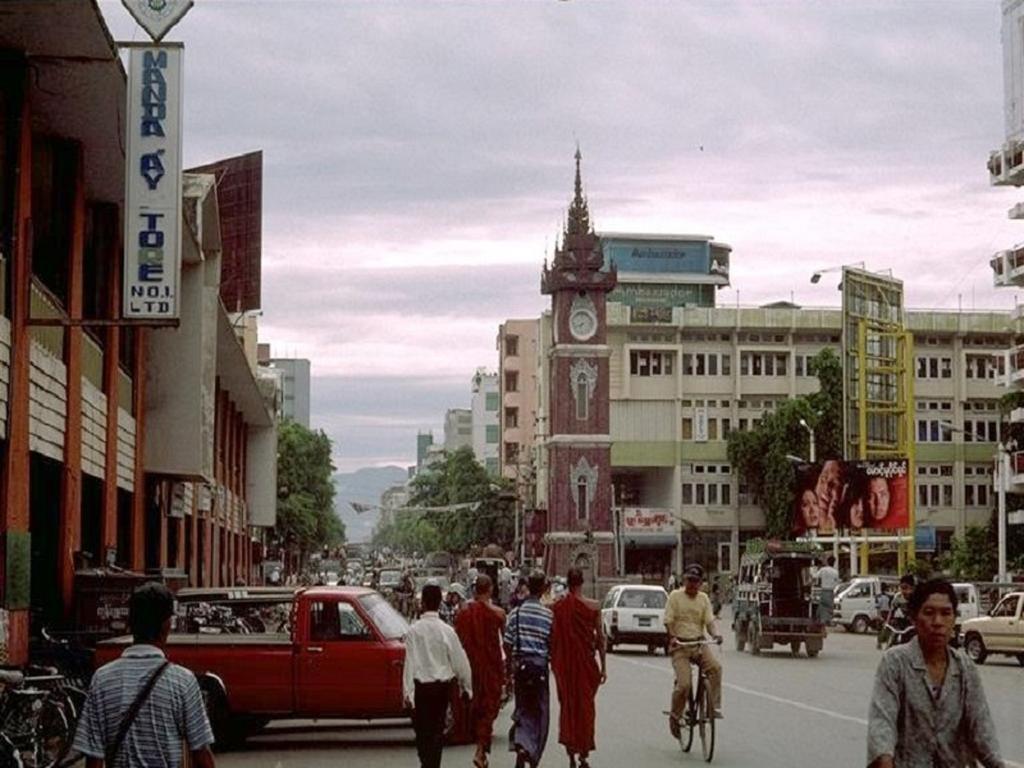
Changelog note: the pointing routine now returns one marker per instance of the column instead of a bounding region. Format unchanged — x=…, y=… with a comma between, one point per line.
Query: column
x=14, y=477
x=69, y=532
x=107, y=216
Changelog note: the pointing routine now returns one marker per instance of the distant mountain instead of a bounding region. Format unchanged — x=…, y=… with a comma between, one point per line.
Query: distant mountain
x=364, y=486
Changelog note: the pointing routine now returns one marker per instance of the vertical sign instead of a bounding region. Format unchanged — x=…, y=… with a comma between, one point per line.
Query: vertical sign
x=152, y=221
x=700, y=424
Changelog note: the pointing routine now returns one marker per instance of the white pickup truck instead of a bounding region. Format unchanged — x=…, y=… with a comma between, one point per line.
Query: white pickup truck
x=1001, y=631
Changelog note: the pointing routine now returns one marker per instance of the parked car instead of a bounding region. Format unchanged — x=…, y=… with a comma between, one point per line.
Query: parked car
x=1001, y=631
x=635, y=613
x=341, y=658
x=856, y=607
x=775, y=603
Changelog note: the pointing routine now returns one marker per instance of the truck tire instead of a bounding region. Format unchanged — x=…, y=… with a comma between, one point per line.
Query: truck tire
x=860, y=624
x=229, y=731
x=1020, y=659
x=975, y=648
x=794, y=647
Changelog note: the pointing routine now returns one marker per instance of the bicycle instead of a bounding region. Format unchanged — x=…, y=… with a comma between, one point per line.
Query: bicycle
x=34, y=721
x=699, y=714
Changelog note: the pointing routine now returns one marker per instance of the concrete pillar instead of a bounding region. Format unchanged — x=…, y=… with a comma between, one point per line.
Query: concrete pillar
x=69, y=532
x=14, y=477
x=107, y=216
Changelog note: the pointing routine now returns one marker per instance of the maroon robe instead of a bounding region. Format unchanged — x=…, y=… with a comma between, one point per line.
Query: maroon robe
x=577, y=674
x=479, y=627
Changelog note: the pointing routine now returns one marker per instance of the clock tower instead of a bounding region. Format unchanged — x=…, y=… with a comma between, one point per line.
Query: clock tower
x=579, y=520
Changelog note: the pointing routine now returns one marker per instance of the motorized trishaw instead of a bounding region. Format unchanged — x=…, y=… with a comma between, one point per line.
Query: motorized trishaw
x=775, y=603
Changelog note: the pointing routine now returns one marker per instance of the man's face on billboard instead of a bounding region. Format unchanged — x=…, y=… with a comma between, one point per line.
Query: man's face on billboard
x=878, y=499
x=829, y=489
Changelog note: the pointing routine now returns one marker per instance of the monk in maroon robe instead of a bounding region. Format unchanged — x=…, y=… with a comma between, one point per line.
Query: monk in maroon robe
x=480, y=625
x=577, y=642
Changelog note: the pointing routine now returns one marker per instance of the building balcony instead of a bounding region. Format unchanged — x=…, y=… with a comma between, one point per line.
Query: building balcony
x=1017, y=416
x=1008, y=267
x=1015, y=367
x=1006, y=165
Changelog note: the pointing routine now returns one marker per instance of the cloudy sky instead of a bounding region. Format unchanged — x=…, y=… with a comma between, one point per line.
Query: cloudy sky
x=418, y=161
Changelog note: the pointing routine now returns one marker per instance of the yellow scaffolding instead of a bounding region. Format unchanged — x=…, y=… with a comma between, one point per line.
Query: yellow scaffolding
x=878, y=383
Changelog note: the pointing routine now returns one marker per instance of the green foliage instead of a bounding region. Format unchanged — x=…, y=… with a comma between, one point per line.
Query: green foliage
x=972, y=556
x=306, y=520
x=458, y=479
x=759, y=456
x=920, y=568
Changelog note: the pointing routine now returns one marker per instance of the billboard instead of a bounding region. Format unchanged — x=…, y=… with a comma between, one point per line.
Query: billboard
x=152, y=218
x=852, y=495
x=657, y=256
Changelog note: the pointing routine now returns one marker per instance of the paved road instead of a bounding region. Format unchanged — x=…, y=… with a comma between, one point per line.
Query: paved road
x=780, y=710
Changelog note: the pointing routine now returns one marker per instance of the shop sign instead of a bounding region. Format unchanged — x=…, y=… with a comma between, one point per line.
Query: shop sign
x=157, y=16
x=152, y=222
x=647, y=520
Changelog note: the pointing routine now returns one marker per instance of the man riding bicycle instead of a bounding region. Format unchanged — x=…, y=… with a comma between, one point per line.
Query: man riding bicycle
x=688, y=615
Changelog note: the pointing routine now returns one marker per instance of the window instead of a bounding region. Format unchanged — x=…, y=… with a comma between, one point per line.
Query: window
x=511, y=453
x=977, y=485
x=582, y=499
x=933, y=431
x=491, y=401
x=764, y=363
x=582, y=397
x=934, y=485
x=491, y=433
x=511, y=346
x=934, y=367
x=702, y=493
x=647, y=362
x=511, y=418
x=687, y=429
x=726, y=365
x=54, y=169
x=336, y=621
x=511, y=381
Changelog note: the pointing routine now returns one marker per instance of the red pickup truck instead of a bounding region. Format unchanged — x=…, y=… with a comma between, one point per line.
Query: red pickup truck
x=339, y=654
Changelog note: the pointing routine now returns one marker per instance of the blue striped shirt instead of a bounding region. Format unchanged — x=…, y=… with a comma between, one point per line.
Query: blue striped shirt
x=528, y=629
x=173, y=712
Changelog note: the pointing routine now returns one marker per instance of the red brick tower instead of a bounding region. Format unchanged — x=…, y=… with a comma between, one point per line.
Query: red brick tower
x=579, y=442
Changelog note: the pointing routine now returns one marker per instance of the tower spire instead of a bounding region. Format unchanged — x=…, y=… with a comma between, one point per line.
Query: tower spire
x=579, y=215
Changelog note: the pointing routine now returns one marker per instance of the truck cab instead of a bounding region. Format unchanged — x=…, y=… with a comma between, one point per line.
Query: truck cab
x=1001, y=631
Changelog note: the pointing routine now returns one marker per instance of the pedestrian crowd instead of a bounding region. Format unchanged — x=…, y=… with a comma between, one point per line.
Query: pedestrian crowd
x=927, y=710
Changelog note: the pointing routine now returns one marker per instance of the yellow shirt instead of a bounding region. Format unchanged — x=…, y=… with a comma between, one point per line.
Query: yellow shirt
x=687, y=617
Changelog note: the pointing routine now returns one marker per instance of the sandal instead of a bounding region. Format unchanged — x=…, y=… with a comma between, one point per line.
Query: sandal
x=480, y=762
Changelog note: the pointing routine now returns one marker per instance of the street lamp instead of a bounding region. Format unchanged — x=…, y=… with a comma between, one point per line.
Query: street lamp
x=810, y=431
x=816, y=277
x=1002, y=454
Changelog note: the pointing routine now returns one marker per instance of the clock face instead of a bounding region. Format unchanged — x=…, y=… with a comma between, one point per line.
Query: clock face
x=582, y=324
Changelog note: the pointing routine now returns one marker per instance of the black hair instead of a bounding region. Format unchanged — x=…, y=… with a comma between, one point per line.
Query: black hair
x=831, y=560
x=574, y=578
x=537, y=583
x=151, y=605
x=431, y=597
x=483, y=584
x=908, y=579
x=926, y=589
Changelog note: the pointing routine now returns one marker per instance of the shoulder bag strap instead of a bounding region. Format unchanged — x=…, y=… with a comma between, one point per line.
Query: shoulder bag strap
x=129, y=717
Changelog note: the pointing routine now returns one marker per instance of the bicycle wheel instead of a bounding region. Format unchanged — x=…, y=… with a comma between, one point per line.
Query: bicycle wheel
x=687, y=723
x=52, y=735
x=707, y=721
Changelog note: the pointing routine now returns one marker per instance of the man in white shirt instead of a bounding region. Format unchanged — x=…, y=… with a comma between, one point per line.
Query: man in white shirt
x=434, y=657
x=827, y=577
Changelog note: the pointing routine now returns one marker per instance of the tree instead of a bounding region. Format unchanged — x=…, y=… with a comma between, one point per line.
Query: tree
x=972, y=556
x=759, y=456
x=459, y=479
x=306, y=520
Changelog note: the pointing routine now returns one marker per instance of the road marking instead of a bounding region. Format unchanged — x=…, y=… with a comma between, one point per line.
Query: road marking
x=789, y=702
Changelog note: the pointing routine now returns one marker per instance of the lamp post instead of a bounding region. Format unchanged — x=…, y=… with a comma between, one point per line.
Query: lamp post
x=810, y=431
x=1001, y=477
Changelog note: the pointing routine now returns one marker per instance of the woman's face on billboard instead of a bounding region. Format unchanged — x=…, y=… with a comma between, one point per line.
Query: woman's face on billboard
x=809, y=509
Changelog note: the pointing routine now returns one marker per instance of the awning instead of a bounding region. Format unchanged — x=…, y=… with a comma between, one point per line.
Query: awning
x=650, y=540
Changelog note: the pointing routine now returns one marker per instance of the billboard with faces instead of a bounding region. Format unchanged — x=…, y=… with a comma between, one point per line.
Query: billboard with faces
x=851, y=495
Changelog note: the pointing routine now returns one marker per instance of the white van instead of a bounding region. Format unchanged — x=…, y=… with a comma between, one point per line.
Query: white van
x=968, y=604
x=856, y=607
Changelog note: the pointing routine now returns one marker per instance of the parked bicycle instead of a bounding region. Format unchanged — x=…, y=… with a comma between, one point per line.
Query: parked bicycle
x=699, y=714
x=37, y=718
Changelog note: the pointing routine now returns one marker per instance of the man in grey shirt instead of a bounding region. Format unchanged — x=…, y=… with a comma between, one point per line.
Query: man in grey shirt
x=928, y=709
x=172, y=713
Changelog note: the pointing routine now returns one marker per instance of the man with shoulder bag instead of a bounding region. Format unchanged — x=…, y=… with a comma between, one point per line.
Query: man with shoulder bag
x=141, y=708
x=528, y=645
